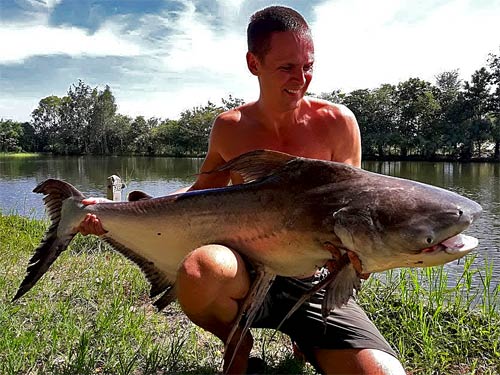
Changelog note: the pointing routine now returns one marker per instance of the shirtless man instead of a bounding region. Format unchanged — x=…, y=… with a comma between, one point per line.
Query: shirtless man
x=213, y=280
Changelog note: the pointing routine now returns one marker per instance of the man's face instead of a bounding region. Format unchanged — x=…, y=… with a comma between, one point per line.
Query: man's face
x=286, y=70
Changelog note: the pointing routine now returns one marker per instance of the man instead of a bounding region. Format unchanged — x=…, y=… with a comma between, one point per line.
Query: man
x=213, y=280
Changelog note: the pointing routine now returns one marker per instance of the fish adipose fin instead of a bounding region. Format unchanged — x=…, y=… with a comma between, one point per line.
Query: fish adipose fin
x=53, y=244
x=158, y=280
x=257, y=164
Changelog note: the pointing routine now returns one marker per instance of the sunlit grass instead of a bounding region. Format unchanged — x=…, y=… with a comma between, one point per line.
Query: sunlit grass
x=439, y=326
x=20, y=155
x=90, y=314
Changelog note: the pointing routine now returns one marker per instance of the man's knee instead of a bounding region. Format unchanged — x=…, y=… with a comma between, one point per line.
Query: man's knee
x=209, y=278
x=358, y=361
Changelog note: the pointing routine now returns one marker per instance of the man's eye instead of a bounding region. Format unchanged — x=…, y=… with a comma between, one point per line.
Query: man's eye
x=285, y=68
x=308, y=68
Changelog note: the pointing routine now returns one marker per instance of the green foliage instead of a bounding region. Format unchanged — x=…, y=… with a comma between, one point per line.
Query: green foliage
x=413, y=119
x=11, y=134
x=494, y=67
x=85, y=121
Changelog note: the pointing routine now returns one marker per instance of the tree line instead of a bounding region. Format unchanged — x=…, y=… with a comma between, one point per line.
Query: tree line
x=447, y=119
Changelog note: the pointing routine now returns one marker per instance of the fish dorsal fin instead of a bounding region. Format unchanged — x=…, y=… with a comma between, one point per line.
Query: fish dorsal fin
x=257, y=164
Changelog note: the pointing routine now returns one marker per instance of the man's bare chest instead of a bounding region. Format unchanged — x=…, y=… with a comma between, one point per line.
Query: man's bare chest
x=305, y=144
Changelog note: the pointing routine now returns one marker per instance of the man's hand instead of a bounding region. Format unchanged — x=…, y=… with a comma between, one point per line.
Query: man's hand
x=336, y=255
x=91, y=224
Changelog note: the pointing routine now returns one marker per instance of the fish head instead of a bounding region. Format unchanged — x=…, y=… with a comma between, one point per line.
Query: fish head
x=393, y=223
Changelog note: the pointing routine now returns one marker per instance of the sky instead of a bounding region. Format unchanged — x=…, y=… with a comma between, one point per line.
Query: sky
x=161, y=57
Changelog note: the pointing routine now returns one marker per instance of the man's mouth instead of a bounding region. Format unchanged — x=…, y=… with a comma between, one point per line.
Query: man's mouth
x=292, y=91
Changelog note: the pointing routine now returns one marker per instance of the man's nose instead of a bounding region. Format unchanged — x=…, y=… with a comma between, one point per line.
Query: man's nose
x=299, y=75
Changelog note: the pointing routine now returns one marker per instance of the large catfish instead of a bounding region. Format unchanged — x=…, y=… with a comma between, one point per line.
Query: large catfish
x=284, y=220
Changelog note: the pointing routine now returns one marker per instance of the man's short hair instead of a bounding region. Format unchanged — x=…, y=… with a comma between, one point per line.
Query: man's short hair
x=269, y=20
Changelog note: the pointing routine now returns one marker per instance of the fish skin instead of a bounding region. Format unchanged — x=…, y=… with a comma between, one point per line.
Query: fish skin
x=278, y=220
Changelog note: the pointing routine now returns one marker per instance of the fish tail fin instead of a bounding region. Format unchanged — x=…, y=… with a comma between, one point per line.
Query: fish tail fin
x=56, y=239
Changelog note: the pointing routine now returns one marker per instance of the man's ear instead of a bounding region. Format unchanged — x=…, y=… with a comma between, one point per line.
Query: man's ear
x=253, y=63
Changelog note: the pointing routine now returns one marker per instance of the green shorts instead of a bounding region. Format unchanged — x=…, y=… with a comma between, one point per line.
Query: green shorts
x=347, y=327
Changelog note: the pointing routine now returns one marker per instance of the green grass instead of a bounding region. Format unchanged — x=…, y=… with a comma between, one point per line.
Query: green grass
x=20, y=154
x=90, y=314
x=439, y=327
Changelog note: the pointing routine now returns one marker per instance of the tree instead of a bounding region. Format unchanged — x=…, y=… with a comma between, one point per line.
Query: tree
x=385, y=117
x=418, y=108
x=75, y=131
x=46, y=121
x=335, y=96
x=102, y=122
x=194, y=128
x=450, y=99
x=476, y=127
x=28, y=137
x=118, y=134
x=11, y=133
x=231, y=103
x=494, y=65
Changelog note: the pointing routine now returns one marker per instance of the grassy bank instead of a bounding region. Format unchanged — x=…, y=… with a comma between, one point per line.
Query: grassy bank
x=20, y=154
x=90, y=314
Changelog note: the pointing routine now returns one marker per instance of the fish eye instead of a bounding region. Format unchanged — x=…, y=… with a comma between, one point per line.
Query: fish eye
x=429, y=240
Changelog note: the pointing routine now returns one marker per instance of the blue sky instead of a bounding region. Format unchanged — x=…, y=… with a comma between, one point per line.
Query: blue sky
x=161, y=57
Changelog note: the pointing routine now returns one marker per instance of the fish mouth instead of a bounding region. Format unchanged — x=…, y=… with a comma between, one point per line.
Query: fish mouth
x=455, y=245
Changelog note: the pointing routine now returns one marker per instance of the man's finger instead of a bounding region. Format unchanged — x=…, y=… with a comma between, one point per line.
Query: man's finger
x=93, y=200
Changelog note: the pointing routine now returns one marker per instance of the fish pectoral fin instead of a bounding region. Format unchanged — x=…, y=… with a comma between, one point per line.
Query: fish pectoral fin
x=160, y=283
x=340, y=289
x=251, y=305
x=166, y=298
x=256, y=164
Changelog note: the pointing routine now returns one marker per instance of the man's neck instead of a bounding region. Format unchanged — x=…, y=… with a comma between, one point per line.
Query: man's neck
x=274, y=119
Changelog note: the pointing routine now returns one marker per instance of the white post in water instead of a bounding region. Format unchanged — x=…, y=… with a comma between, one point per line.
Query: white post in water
x=115, y=186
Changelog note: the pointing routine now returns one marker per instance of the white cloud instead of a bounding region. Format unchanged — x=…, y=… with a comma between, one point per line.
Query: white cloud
x=198, y=45
x=22, y=41
x=362, y=44
x=184, y=59
x=44, y=4
x=47, y=3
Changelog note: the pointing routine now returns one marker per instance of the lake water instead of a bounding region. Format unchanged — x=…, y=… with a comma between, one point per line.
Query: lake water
x=159, y=176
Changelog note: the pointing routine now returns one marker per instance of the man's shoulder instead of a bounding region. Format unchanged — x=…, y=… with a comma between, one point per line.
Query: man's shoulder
x=328, y=110
x=233, y=116
x=230, y=125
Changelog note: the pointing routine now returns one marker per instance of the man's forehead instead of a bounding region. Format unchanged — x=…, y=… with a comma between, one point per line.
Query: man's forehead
x=290, y=45
x=301, y=38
